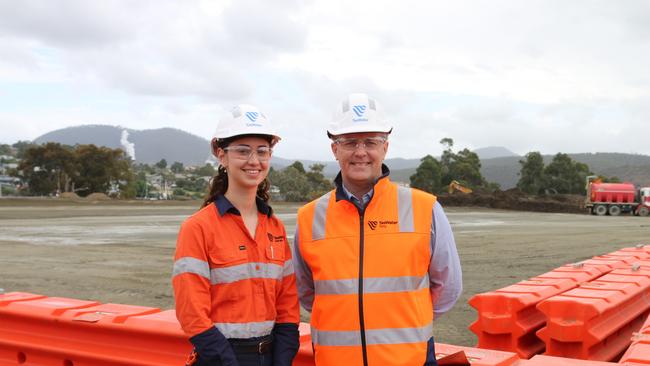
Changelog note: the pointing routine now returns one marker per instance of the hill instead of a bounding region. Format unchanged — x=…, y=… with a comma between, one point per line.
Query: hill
x=150, y=145
x=499, y=164
x=505, y=170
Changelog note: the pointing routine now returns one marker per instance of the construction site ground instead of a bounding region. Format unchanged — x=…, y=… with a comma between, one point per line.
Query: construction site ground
x=121, y=252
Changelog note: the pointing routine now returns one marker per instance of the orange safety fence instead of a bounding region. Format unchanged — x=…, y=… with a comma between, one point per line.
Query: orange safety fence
x=596, y=320
x=42, y=331
x=475, y=356
x=36, y=330
x=542, y=360
x=639, y=351
x=508, y=319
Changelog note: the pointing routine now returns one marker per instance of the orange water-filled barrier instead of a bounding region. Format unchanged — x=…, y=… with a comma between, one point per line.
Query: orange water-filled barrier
x=475, y=356
x=541, y=360
x=43, y=331
x=508, y=319
x=639, y=351
x=596, y=320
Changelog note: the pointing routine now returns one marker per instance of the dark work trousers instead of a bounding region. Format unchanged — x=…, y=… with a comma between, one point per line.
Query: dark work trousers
x=255, y=359
x=244, y=359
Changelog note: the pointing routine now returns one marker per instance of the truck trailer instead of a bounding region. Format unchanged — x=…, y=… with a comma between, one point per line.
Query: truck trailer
x=616, y=198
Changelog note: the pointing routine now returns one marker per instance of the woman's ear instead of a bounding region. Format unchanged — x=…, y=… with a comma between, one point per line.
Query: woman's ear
x=219, y=153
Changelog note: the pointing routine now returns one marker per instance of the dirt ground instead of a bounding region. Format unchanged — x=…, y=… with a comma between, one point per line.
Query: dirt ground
x=121, y=252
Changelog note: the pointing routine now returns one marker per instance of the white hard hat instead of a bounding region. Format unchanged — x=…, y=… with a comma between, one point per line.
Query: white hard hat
x=245, y=119
x=358, y=113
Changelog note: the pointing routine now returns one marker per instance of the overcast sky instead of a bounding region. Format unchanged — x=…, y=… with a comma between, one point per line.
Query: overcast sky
x=549, y=76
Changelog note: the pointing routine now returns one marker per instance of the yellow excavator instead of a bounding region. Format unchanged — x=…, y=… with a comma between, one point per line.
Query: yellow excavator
x=455, y=186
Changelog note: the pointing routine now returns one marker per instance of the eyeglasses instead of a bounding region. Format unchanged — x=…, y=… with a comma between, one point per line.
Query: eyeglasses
x=243, y=152
x=369, y=143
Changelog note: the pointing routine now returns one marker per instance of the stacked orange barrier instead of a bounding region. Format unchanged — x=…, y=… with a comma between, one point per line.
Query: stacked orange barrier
x=638, y=353
x=43, y=331
x=541, y=360
x=508, y=319
x=595, y=321
x=478, y=356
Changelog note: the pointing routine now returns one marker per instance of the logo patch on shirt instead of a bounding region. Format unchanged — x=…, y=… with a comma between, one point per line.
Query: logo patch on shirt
x=242, y=247
x=373, y=224
x=276, y=239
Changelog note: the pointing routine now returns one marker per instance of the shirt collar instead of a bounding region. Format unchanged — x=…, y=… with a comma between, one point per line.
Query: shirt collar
x=225, y=206
x=343, y=194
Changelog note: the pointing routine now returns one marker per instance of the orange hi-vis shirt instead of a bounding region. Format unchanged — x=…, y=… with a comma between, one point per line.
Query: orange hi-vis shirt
x=372, y=302
x=225, y=278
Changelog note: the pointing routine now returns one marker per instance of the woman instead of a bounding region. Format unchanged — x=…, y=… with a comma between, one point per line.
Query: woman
x=233, y=276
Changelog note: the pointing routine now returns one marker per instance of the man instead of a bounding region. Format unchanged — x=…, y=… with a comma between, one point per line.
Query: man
x=373, y=260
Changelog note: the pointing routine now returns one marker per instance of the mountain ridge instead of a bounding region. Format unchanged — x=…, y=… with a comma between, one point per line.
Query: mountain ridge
x=174, y=144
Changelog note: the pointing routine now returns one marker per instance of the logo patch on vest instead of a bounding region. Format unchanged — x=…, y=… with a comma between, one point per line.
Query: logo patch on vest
x=373, y=224
x=276, y=239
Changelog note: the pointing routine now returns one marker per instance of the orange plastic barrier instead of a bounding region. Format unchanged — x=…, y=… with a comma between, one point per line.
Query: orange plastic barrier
x=639, y=351
x=477, y=356
x=508, y=319
x=639, y=252
x=43, y=331
x=541, y=360
x=595, y=321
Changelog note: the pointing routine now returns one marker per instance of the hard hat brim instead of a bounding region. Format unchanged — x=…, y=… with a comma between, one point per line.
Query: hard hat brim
x=359, y=129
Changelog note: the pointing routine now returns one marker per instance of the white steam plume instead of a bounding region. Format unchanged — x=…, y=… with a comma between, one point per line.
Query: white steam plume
x=129, y=147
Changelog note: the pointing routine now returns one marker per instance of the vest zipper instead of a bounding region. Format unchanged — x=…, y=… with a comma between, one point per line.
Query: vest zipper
x=362, y=326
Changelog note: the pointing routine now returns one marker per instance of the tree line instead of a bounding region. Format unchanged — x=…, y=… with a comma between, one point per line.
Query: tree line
x=83, y=169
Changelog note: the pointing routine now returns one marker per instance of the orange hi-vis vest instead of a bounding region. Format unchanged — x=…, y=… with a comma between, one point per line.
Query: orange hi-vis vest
x=372, y=304
x=224, y=277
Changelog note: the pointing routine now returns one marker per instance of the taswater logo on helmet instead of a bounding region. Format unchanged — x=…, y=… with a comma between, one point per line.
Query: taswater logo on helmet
x=252, y=116
x=359, y=111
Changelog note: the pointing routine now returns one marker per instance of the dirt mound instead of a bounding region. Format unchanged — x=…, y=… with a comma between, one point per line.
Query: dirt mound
x=69, y=196
x=98, y=197
x=513, y=199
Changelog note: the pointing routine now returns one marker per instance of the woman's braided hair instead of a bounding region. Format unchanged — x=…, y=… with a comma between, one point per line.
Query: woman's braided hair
x=219, y=183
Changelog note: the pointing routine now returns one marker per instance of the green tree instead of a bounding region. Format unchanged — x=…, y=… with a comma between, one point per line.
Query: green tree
x=298, y=166
x=49, y=168
x=427, y=175
x=566, y=175
x=319, y=185
x=464, y=166
x=177, y=167
x=101, y=167
x=293, y=184
x=205, y=171
x=531, y=175
x=162, y=164
x=22, y=147
x=5, y=149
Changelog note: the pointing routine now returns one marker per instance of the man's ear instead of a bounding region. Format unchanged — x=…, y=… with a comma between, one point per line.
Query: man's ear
x=334, y=147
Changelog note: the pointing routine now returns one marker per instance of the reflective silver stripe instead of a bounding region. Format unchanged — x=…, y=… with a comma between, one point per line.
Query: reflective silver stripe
x=191, y=265
x=245, y=271
x=320, y=213
x=288, y=268
x=373, y=336
x=371, y=285
x=245, y=330
x=405, y=210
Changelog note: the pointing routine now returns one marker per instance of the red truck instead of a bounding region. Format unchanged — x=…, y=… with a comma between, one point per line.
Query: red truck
x=616, y=198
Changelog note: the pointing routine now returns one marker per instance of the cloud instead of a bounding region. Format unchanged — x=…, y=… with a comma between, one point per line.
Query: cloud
x=535, y=75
